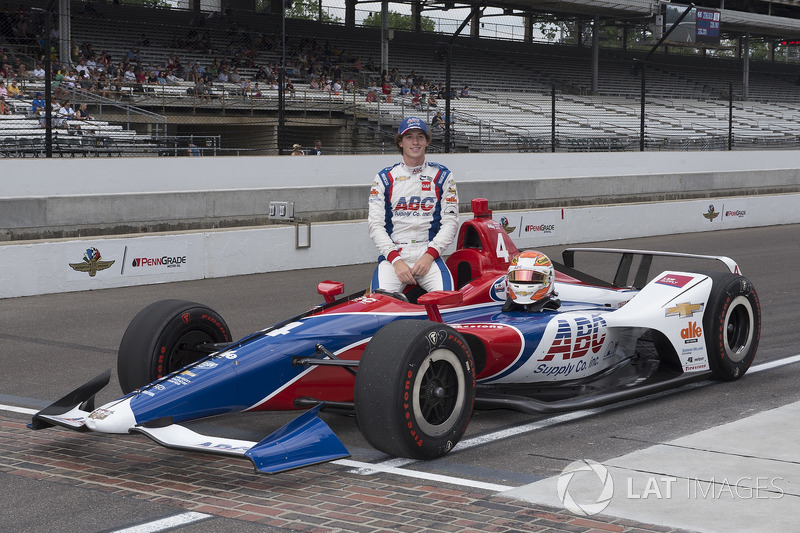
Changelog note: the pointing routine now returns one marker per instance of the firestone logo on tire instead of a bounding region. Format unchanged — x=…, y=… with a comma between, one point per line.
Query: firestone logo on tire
x=605, y=488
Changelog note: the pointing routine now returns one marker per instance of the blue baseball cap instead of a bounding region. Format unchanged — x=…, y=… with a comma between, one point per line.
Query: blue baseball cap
x=412, y=123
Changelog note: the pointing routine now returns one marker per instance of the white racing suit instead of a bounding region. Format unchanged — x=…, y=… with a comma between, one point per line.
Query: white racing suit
x=413, y=210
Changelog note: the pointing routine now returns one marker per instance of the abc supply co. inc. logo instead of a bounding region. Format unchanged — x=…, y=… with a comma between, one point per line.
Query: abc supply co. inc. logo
x=587, y=482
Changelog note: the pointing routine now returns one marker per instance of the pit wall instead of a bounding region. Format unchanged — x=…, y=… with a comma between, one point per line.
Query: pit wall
x=70, y=197
x=92, y=263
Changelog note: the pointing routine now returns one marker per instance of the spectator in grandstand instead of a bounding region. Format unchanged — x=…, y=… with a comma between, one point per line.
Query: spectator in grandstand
x=82, y=113
x=4, y=108
x=416, y=102
x=71, y=80
x=386, y=89
x=81, y=67
x=438, y=121
x=222, y=77
x=290, y=89
x=214, y=69
x=372, y=96
x=85, y=83
x=104, y=87
x=14, y=90
x=37, y=104
x=262, y=74
x=317, y=150
x=171, y=78
x=133, y=55
x=235, y=77
x=465, y=92
x=432, y=100
x=244, y=87
x=297, y=150
x=313, y=84
x=56, y=84
x=411, y=246
x=91, y=64
x=192, y=150
x=65, y=114
x=129, y=76
x=404, y=90
x=3, y=89
x=38, y=71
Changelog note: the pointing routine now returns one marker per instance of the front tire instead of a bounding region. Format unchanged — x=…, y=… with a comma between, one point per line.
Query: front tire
x=163, y=338
x=733, y=326
x=415, y=389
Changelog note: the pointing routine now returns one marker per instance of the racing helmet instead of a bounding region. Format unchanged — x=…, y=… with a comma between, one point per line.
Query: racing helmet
x=530, y=278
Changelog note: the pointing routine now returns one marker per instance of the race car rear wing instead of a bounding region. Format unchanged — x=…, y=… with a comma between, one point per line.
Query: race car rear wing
x=642, y=271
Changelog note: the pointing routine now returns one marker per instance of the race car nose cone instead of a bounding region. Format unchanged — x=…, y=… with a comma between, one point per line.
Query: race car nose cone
x=115, y=417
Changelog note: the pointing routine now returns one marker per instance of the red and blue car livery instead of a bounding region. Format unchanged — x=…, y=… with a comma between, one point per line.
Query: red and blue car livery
x=414, y=371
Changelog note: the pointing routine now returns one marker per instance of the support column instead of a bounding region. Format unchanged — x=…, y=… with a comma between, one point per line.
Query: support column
x=64, y=33
x=475, y=25
x=385, y=36
x=595, y=54
x=746, y=67
x=350, y=13
x=528, y=23
x=416, y=16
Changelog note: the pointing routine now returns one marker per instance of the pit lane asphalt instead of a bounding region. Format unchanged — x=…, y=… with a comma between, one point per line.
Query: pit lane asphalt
x=53, y=343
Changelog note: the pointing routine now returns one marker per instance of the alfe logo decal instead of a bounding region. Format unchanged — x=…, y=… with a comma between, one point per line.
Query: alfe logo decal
x=92, y=263
x=691, y=333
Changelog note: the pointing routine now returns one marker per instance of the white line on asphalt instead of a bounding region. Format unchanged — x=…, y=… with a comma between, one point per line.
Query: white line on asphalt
x=774, y=364
x=165, y=523
x=395, y=465
x=15, y=409
x=428, y=476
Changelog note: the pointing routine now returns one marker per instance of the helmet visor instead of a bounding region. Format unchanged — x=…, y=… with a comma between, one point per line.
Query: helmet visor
x=526, y=276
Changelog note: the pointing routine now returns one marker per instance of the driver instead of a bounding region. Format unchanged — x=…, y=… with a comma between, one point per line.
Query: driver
x=530, y=283
x=413, y=216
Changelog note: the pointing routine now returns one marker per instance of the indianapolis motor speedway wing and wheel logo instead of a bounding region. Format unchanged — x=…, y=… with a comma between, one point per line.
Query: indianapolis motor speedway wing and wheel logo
x=586, y=479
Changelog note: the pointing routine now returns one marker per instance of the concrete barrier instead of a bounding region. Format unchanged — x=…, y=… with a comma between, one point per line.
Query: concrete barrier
x=105, y=196
x=102, y=262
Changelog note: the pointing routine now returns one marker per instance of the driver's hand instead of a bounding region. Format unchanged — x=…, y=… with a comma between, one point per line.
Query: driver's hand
x=403, y=272
x=422, y=266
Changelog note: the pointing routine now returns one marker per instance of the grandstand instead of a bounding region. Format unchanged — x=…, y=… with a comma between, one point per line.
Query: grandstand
x=692, y=102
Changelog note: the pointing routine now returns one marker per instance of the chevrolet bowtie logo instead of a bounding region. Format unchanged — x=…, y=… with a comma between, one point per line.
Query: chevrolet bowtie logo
x=684, y=310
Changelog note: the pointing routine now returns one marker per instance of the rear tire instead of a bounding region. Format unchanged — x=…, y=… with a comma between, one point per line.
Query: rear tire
x=732, y=326
x=161, y=337
x=415, y=389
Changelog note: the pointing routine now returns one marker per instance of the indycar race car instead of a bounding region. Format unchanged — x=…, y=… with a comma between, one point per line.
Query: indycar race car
x=414, y=371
